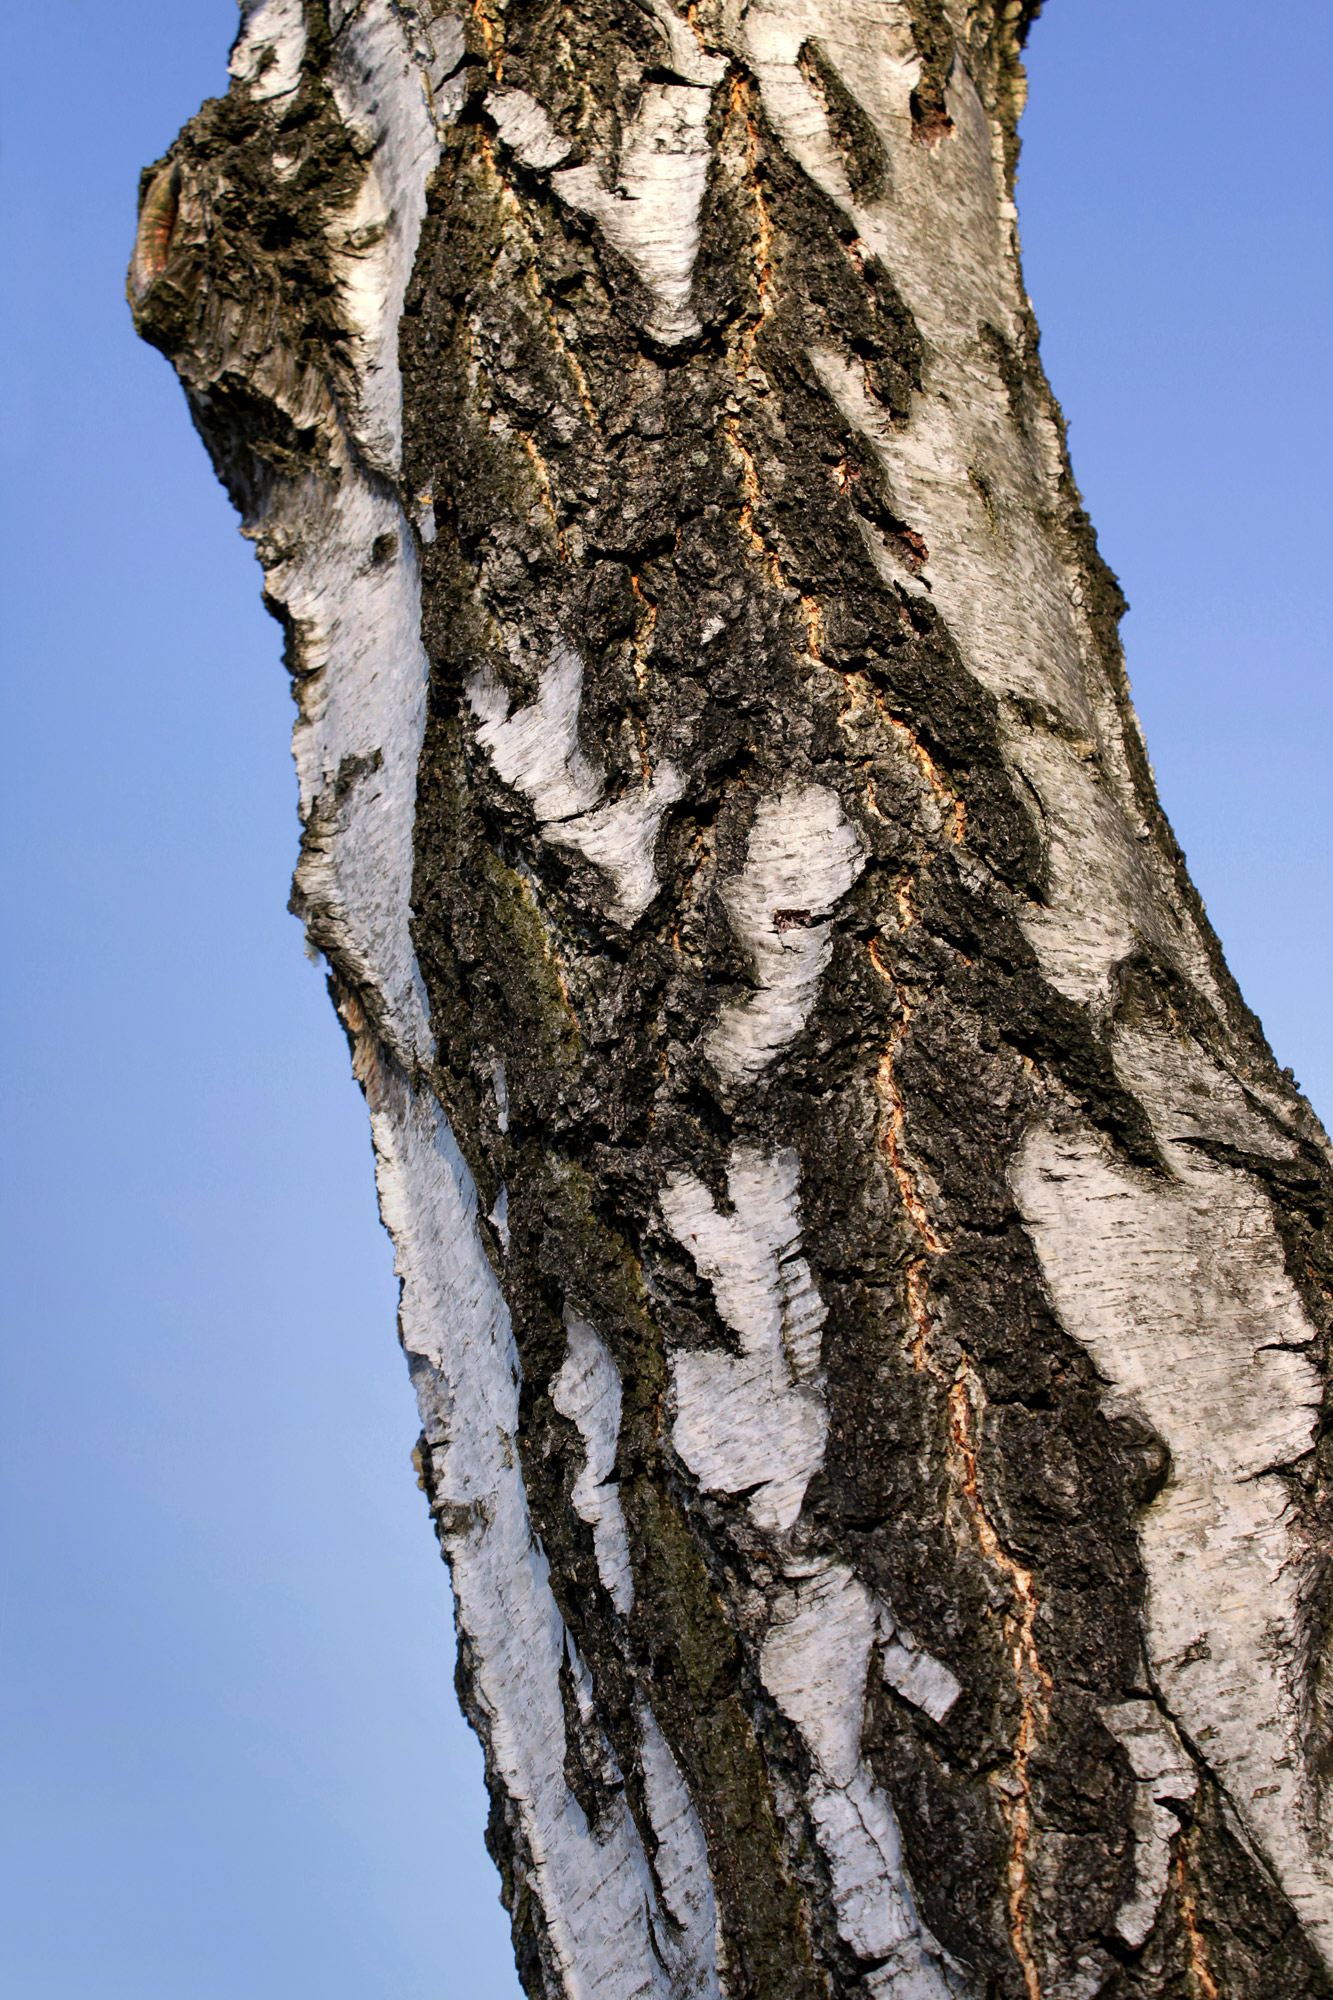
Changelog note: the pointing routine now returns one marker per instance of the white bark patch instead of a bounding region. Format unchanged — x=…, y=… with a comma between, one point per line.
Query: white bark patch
x=651, y=215
x=815, y=1663
x=525, y=129
x=681, y=1863
x=587, y=1391
x=1191, y=1097
x=756, y=1419
x=595, y=1887
x=385, y=95
x=536, y=750
x=914, y=1673
x=621, y=837
x=268, y=51
x=687, y=56
x=358, y=738
x=877, y=37
x=501, y=1088
x=343, y=561
x=1178, y=1292
x=1164, y=1777
x=803, y=857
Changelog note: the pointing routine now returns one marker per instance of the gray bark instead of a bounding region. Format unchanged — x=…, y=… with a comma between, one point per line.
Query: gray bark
x=866, y=1281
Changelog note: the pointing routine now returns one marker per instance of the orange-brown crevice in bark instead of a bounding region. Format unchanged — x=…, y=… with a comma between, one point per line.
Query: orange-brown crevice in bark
x=740, y=105
x=643, y=636
x=492, y=34
x=964, y=1398
x=568, y=355
x=544, y=483
x=1202, y=1984
x=951, y=805
x=811, y=615
x=948, y=800
x=750, y=490
x=893, y=1131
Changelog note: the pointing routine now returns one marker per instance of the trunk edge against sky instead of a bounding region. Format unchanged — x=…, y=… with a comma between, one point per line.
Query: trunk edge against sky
x=866, y=1281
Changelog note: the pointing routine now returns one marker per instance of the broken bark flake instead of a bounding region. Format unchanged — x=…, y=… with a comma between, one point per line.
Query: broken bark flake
x=823, y=1148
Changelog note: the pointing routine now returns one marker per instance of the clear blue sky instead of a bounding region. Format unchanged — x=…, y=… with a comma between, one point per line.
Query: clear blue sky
x=237, y=1765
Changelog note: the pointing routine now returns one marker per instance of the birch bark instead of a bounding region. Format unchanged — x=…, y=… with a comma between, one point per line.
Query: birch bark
x=866, y=1281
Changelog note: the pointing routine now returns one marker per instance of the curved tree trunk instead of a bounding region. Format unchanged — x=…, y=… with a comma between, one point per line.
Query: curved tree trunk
x=866, y=1281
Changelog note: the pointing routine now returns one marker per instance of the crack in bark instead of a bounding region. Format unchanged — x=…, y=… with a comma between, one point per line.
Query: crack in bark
x=964, y=1395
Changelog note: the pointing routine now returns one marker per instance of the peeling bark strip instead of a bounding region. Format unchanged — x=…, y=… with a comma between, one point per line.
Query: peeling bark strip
x=866, y=1282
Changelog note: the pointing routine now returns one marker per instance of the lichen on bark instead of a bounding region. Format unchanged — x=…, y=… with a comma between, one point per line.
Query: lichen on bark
x=766, y=962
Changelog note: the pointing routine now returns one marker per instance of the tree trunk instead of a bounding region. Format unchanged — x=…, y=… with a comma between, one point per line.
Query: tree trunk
x=866, y=1281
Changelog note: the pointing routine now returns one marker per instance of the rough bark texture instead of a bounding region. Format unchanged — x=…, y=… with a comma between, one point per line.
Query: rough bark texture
x=866, y=1281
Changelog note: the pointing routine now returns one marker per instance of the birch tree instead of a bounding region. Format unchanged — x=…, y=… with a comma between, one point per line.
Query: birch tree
x=865, y=1278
